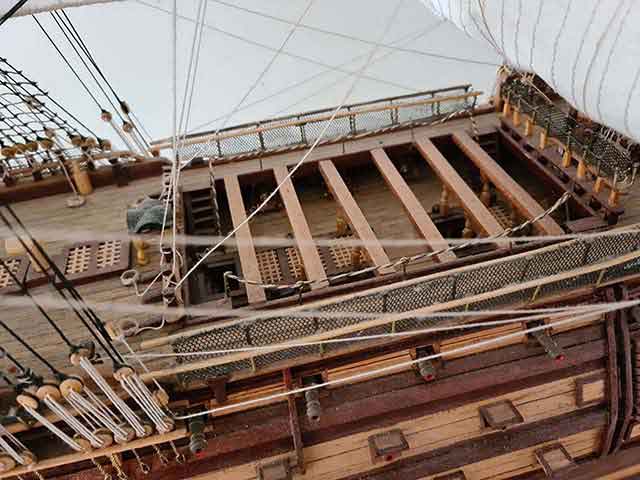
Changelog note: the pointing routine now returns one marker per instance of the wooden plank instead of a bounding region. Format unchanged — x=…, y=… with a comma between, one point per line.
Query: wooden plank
x=246, y=250
x=479, y=214
x=419, y=217
x=356, y=218
x=308, y=251
x=511, y=189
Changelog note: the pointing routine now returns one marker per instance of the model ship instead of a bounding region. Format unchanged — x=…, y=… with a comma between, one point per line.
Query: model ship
x=433, y=286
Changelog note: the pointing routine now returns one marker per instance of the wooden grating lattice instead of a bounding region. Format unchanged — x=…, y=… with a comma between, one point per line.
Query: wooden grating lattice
x=295, y=263
x=502, y=215
x=88, y=261
x=269, y=266
x=18, y=266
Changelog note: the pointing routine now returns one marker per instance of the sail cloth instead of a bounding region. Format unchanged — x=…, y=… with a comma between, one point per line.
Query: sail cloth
x=587, y=50
x=38, y=6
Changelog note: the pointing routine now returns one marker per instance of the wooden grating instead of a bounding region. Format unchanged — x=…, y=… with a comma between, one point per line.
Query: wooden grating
x=18, y=266
x=295, y=263
x=280, y=265
x=269, y=266
x=502, y=215
x=88, y=261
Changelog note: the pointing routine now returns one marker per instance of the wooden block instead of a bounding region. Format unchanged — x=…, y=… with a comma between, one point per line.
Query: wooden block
x=278, y=470
x=419, y=217
x=459, y=475
x=387, y=446
x=554, y=459
x=500, y=415
x=590, y=390
x=511, y=189
x=301, y=231
x=356, y=218
x=246, y=249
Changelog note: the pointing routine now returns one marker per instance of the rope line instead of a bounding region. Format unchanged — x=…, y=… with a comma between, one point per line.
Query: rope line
x=304, y=157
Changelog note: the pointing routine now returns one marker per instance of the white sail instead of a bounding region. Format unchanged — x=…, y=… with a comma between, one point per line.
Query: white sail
x=587, y=50
x=38, y=6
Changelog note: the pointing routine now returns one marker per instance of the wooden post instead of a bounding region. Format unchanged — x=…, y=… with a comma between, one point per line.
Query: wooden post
x=528, y=127
x=342, y=226
x=513, y=217
x=81, y=177
x=444, y=201
x=597, y=187
x=467, y=232
x=582, y=169
x=506, y=109
x=566, y=157
x=543, y=139
x=516, y=116
x=485, y=195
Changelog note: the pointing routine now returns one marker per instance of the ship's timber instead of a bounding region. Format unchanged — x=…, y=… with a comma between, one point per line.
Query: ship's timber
x=500, y=403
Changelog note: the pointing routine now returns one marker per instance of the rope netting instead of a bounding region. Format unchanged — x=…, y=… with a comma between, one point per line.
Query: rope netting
x=36, y=132
x=606, y=151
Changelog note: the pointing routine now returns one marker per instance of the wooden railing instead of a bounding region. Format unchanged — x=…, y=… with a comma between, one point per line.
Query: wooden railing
x=301, y=130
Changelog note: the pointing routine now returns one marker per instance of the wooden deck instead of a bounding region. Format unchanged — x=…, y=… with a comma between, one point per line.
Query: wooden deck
x=104, y=214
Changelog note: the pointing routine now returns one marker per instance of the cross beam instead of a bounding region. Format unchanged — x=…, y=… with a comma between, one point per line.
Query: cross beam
x=308, y=251
x=246, y=249
x=419, y=217
x=354, y=215
x=512, y=190
x=479, y=214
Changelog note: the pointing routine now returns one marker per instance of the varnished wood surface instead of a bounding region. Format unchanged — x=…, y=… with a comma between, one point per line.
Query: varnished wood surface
x=246, y=249
x=516, y=195
x=308, y=251
x=411, y=204
x=354, y=214
x=480, y=214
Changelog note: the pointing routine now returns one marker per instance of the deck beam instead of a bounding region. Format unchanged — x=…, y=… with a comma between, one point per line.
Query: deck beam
x=479, y=214
x=419, y=217
x=246, y=249
x=354, y=215
x=512, y=190
x=301, y=231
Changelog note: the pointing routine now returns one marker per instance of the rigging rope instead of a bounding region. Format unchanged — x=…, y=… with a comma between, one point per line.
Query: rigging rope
x=304, y=157
x=405, y=39
x=352, y=37
x=53, y=43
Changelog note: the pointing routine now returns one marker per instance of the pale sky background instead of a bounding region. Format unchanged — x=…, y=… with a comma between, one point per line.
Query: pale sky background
x=132, y=42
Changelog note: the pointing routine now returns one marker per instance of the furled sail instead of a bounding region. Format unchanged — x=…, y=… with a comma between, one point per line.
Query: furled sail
x=587, y=50
x=38, y=6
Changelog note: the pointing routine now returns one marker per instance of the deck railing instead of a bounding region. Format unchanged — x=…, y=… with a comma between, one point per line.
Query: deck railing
x=606, y=157
x=506, y=283
x=301, y=130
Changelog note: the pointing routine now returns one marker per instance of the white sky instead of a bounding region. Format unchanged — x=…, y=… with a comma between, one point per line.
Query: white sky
x=132, y=41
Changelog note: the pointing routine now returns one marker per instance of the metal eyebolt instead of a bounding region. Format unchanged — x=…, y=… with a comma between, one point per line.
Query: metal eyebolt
x=144, y=468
